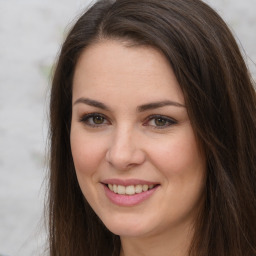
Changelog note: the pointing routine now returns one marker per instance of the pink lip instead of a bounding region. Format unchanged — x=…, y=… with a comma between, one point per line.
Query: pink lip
x=128, y=200
x=128, y=182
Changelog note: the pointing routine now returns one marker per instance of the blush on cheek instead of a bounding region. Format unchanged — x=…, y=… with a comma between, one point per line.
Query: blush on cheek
x=84, y=163
x=177, y=157
x=169, y=154
x=87, y=157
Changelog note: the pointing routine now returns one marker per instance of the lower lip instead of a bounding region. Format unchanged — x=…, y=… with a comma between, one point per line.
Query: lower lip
x=128, y=200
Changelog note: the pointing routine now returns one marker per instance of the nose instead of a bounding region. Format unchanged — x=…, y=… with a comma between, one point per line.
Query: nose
x=125, y=150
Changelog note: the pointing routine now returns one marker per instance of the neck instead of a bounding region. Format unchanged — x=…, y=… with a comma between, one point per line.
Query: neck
x=175, y=243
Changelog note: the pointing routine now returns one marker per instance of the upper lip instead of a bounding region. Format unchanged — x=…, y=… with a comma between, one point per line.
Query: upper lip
x=128, y=182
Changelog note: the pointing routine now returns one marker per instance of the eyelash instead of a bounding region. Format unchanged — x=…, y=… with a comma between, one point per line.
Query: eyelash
x=86, y=119
x=168, y=121
x=89, y=117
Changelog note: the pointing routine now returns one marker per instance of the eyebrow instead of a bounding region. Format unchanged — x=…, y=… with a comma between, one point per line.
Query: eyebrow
x=159, y=104
x=142, y=108
x=92, y=103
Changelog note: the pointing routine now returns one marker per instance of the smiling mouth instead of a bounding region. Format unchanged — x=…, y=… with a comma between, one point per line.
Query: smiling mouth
x=131, y=189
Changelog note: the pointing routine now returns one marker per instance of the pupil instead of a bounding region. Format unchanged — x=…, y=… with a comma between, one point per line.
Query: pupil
x=160, y=122
x=98, y=119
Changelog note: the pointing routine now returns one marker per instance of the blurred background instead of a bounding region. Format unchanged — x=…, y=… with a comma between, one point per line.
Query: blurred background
x=31, y=33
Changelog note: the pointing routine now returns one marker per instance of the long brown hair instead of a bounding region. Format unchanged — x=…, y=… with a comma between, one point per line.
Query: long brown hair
x=221, y=102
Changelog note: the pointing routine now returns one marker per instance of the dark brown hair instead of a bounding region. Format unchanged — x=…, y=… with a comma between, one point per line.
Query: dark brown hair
x=220, y=99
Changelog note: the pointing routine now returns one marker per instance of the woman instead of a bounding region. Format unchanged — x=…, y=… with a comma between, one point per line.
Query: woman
x=152, y=135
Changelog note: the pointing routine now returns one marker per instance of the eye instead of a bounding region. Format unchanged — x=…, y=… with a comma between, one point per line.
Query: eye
x=159, y=122
x=94, y=120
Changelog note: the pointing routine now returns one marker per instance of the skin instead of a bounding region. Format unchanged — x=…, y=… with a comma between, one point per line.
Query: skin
x=125, y=142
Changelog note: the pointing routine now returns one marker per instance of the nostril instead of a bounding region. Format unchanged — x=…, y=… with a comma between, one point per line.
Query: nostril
x=125, y=159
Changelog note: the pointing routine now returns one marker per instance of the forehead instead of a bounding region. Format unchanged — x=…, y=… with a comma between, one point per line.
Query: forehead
x=112, y=67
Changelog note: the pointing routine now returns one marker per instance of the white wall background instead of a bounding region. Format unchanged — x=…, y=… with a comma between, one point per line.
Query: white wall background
x=31, y=32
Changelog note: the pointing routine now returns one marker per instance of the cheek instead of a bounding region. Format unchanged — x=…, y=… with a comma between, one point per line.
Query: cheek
x=87, y=152
x=183, y=168
x=178, y=157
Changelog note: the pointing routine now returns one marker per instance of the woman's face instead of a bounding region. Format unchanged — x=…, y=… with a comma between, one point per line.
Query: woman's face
x=136, y=157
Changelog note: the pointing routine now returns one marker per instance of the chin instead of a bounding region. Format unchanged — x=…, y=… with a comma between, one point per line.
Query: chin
x=127, y=228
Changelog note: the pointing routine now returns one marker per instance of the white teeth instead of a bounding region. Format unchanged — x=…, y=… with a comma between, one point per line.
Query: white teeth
x=145, y=188
x=138, y=189
x=129, y=190
x=120, y=190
